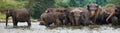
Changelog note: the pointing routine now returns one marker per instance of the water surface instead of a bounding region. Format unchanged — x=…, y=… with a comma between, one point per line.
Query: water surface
x=36, y=28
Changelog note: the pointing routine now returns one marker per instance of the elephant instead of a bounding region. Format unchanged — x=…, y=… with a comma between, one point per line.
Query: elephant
x=96, y=14
x=53, y=17
x=114, y=12
x=111, y=12
x=60, y=10
x=101, y=16
x=77, y=16
x=18, y=15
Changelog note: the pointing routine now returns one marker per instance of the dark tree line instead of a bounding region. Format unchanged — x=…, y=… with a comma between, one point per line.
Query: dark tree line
x=37, y=7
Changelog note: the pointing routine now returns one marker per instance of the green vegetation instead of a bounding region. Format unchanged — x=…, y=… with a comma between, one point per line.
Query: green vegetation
x=37, y=7
x=7, y=4
x=2, y=16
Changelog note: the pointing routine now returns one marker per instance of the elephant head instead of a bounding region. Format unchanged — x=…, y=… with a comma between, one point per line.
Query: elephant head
x=8, y=14
x=75, y=15
x=92, y=8
x=95, y=12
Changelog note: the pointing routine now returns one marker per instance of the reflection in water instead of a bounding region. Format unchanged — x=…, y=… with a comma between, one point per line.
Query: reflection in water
x=36, y=28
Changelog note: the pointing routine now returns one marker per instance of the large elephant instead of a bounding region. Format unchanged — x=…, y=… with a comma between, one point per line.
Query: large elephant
x=18, y=15
x=53, y=17
x=101, y=16
x=96, y=14
x=114, y=12
x=111, y=12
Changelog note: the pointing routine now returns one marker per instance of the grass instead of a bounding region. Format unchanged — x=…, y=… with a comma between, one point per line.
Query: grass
x=2, y=16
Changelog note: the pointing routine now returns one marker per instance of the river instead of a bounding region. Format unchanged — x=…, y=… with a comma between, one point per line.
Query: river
x=36, y=28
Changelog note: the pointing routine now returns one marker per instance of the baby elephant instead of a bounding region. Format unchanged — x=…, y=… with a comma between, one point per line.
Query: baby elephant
x=54, y=17
x=18, y=15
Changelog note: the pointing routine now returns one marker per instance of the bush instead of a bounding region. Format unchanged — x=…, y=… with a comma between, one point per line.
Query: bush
x=6, y=4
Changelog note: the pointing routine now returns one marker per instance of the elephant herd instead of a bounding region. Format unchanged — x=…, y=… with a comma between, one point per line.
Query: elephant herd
x=75, y=16
x=93, y=14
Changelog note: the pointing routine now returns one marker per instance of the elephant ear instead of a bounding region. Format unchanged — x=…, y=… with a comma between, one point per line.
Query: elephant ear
x=9, y=11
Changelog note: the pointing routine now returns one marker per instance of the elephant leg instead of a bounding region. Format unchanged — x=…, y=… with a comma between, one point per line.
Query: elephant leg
x=114, y=20
x=62, y=22
x=66, y=21
x=58, y=22
x=15, y=22
x=29, y=23
x=47, y=24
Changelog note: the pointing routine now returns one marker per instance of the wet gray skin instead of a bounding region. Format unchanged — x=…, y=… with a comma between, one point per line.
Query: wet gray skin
x=36, y=28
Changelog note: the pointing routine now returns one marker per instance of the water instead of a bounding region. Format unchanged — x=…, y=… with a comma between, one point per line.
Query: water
x=36, y=28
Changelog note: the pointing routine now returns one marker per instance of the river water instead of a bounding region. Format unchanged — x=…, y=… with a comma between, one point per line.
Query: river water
x=36, y=28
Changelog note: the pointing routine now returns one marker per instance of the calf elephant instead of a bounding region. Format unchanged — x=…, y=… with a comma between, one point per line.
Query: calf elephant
x=18, y=15
x=55, y=17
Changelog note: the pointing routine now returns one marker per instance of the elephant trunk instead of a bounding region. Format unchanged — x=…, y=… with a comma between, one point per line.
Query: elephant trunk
x=92, y=13
x=77, y=20
x=6, y=19
x=112, y=12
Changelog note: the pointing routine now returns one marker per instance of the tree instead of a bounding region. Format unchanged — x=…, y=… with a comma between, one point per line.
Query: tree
x=37, y=7
x=7, y=4
x=102, y=2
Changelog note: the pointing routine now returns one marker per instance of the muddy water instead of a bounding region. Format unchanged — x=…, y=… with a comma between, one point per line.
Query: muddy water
x=36, y=28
